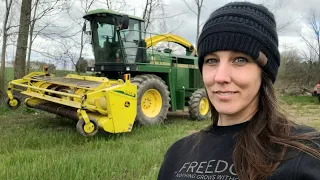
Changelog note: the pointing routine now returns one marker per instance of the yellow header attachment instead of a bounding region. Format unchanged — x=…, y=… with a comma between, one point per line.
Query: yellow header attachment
x=93, y=101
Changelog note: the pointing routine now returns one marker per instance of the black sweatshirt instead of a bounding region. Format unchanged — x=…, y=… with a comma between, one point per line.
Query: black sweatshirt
x=212, y=158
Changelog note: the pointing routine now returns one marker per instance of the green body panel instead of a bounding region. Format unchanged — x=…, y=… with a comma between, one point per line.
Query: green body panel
x=180, y=73
x=158, y=69
x=112, y=45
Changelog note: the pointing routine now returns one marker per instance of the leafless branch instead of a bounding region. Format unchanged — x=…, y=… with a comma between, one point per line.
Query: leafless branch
x=167, y=17
x=190, y=7
x=309, y=44
x=285, y=25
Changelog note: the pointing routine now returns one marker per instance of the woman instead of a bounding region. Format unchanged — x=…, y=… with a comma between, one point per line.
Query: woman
x=249, y=138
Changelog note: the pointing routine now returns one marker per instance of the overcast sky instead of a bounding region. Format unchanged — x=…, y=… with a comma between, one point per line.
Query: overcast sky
x=295, y=11
x=285, y=11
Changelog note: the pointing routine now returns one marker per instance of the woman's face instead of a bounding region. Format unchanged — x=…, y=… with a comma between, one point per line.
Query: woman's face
x=232, y=80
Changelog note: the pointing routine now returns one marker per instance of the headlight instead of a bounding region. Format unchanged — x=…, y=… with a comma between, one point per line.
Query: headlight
x=92, y=69
x=127, y=68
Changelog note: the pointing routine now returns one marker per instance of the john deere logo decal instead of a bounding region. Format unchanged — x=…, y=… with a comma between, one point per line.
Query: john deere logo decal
x=127, y=104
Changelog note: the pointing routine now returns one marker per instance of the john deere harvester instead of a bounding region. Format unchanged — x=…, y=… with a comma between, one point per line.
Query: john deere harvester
x=134, y=82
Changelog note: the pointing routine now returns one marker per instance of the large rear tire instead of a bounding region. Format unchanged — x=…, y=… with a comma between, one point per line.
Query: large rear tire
x=153, y=99
x=199, y=108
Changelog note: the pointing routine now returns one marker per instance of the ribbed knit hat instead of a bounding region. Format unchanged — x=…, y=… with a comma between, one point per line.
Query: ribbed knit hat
x=244, y=27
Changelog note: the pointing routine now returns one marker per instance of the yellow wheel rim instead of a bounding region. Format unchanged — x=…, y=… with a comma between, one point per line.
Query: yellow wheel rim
x=13, y=103
x=151, y=103
x=88, y=128
x=204, y=106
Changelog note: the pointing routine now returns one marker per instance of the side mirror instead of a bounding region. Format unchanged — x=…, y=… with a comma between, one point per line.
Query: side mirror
x=124, y=22
x=84, y=29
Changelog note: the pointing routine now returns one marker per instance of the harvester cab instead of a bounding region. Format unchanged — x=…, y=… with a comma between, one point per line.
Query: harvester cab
x=134, y=82
x=118, y=42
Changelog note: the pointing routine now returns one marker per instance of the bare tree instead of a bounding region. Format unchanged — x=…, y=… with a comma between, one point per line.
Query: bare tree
x=20, y=59
x=46, y=8
x=313, y=22
x=117, y=5
x=149, y=11
x=309, y=56
x=275, y=6
x=86, y=5
x=3, y=52
x=197, y=12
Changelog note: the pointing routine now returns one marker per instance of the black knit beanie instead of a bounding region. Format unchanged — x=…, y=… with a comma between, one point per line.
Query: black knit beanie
x=244, y=27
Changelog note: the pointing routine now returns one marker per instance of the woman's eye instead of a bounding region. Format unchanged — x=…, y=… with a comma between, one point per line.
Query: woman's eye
x=211, y=61
x=241, y=60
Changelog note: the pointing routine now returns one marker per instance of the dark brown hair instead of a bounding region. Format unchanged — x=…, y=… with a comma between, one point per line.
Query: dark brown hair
x=268, y=138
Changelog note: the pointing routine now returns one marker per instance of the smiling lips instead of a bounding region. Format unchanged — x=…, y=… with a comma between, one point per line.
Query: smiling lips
x=225, y=95
x=224, y=92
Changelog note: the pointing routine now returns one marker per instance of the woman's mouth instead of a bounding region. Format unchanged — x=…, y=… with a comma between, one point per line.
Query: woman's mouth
x=225, y=95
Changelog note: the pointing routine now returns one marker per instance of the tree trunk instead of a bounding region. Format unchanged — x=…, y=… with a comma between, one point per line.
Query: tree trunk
x=31, y=35
x=3, y=66
x=3, y=54
x=29, y=50
x=198, y=22
x=80, y=56
x=22, y=43
x=319, y=53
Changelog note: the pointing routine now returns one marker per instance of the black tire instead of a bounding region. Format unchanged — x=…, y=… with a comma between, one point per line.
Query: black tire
x=80, y=127
x=16, y=106
x=194, y=105
x=144, y=83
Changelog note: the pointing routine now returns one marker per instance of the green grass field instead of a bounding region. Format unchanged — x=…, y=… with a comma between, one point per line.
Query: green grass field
x=39, y=145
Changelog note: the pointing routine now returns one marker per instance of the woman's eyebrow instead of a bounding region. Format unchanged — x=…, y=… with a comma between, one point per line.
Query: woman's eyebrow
x=213, y=54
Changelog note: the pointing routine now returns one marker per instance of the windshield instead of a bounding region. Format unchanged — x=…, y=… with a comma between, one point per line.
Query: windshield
x=105, y=40
x=131, y=38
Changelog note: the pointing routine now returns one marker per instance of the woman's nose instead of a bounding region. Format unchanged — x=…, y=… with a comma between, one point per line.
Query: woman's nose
x=223, y=73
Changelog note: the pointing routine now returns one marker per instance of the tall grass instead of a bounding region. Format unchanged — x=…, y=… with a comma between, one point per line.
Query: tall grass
x=37, y=145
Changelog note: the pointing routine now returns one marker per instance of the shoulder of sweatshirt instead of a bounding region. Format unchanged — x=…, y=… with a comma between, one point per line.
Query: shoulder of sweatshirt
x=303, y=129
x=307, y=165
x=184, y=144
x=300, y=165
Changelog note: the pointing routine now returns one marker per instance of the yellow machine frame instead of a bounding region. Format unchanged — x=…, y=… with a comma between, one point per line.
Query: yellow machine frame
x=104, y=103
x=153, y=40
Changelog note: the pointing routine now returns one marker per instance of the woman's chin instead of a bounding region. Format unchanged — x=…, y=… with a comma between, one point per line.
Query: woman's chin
x=226, y=109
